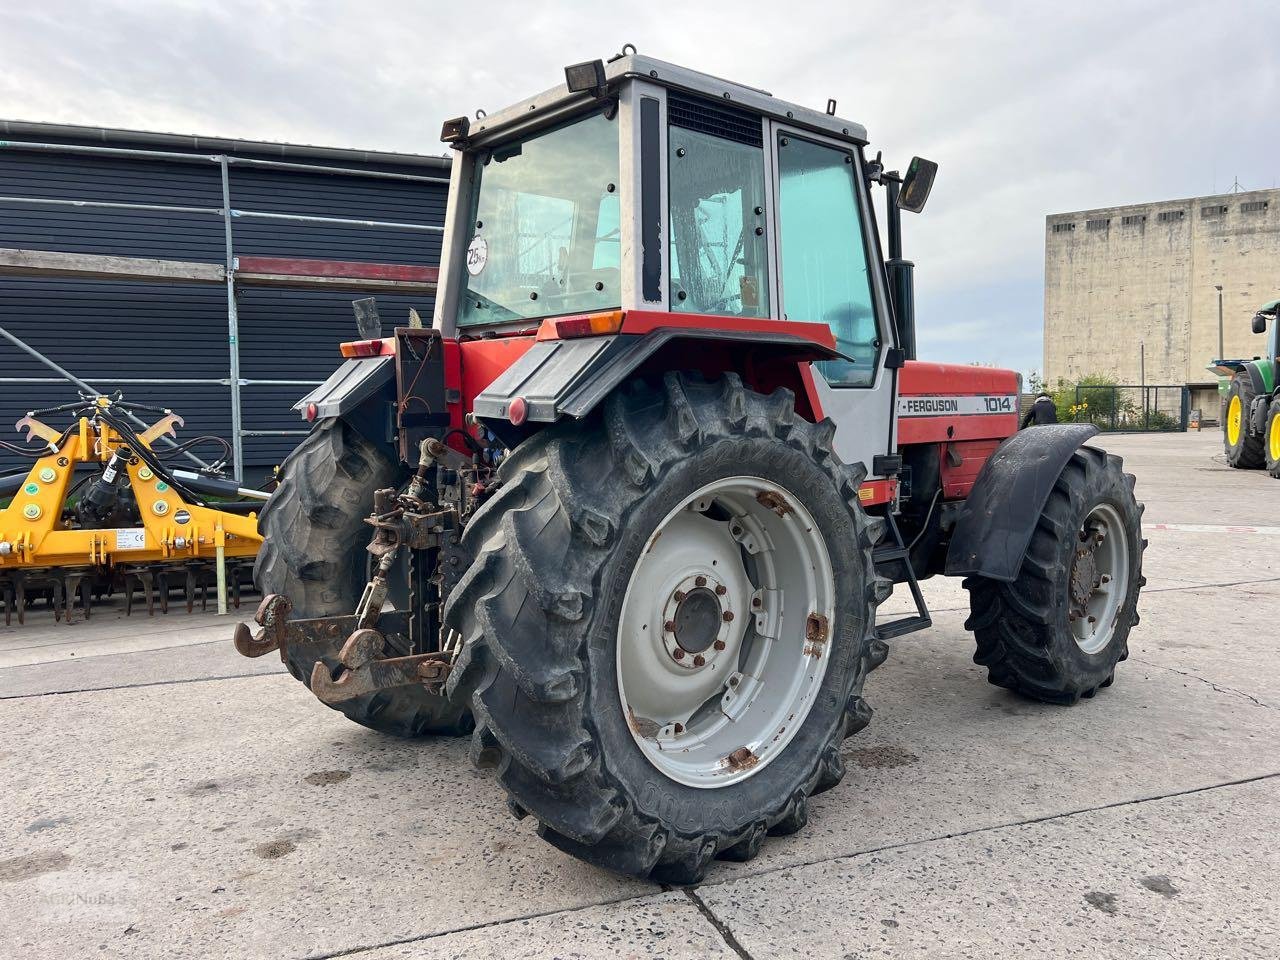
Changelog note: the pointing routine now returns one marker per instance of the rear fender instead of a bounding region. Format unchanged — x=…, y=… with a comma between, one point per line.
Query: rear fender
x=362, y=392
x=998, y=518
x=569, y=378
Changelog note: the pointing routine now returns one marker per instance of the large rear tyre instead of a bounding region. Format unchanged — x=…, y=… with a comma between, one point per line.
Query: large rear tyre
x=1057, y=632
x=668, y=625
x=1271, y=435
x=1244, y=447
x=314, y=537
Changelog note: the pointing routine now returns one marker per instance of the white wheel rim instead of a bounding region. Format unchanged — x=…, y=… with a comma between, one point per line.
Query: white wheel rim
x=1099, y=578
x=724, y=636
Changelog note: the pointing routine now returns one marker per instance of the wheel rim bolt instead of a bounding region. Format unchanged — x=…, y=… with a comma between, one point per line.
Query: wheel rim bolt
x=733, y=681
x=719, y=644
x=1105, y=578
x=678, y=728
x=679, y=595
x=721, y=590
x=755, y=601
x=727, y=616
x=701, y=581
x=1093, y=619
x=678, y=653
x=669, y=626
x=699, y=660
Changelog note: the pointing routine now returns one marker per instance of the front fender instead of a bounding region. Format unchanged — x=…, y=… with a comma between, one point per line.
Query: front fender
x=997, y=520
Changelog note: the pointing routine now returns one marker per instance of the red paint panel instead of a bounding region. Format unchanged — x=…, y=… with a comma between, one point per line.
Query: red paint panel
x=483, y=361
x=345, y=269
x=925, y=379
x=872, y=492
x=919, y=377
x=806, y=377
x=957, y=480
x=934, y=429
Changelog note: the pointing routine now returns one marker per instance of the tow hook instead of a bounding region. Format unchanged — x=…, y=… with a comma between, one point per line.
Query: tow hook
x=272, y=614
x=361, y=670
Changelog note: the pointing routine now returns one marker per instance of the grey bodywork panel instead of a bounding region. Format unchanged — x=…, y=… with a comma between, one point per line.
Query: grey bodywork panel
x=1000, y=514
x=559, y=378
x=349, y=386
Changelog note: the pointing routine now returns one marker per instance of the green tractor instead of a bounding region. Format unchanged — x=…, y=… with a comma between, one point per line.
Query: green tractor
x=1251, y=402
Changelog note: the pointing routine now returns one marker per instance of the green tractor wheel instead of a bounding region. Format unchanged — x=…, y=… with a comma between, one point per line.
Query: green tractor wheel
x=1244, y=447
x=1271, y=448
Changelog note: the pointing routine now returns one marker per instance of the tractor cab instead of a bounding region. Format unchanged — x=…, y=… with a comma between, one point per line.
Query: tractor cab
x=640, y=195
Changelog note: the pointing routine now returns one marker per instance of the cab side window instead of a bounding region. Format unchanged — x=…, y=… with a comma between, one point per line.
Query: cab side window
x=719, y=253
x=825, y=274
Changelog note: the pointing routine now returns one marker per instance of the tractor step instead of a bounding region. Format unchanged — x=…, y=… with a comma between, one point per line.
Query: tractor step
x=895, y=551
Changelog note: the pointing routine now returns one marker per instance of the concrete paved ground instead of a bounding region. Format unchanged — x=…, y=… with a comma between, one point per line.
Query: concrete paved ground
x=163, y=797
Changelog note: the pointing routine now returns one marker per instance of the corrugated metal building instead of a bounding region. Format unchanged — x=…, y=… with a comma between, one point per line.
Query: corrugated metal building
x=315, y=212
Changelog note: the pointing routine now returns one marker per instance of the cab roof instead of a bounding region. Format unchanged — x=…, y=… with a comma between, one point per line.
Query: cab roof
x=669, y=75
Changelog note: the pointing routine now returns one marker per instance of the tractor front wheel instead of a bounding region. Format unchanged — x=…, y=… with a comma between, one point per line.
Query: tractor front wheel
x=668, y=624
x=1057, y=631
x=1244, y=446
x=1271, y=447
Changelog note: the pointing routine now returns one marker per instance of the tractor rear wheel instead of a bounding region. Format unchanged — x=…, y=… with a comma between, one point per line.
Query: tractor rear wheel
x=668, y=624
x=1271, y=447
x=1244, y=447
x=314, y=537
x=1058, y=630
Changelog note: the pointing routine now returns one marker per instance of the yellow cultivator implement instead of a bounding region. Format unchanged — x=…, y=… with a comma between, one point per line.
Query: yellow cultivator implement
x=101, y=512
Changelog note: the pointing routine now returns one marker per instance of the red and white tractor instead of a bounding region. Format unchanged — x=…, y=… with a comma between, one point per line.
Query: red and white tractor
x=625, y=512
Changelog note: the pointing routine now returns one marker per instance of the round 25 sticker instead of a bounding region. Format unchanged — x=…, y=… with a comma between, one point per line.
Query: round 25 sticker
x=477, y=256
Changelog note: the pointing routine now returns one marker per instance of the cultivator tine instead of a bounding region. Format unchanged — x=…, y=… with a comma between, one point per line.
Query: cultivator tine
x=189, y=587
x=140, y=578
x=71, y=587
x=20, y=595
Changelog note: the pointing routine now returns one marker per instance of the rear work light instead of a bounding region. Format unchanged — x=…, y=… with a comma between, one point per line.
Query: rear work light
x=592, y=324
x=368, y=348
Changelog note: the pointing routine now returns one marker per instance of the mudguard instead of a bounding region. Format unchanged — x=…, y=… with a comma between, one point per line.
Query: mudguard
x=559, y=378
x=349, y=386
x=997, y=519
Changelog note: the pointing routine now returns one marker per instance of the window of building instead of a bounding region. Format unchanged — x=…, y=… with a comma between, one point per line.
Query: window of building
x=1254, y=206
x=1133, y=220
x=825, y=274
x=1214, y=210
x=719, y=253
x=1063, y=227
x=1170, y=216
x=1098, y=224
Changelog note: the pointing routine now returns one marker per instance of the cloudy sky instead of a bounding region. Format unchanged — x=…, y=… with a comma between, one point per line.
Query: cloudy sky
x=1030, y=108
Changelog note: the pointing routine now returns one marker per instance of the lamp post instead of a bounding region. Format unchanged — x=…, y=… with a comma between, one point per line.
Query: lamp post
x=1221, y=353
x=1142, y=378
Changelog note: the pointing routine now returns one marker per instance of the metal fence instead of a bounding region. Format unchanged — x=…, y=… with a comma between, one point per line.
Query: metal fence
x=1134, y=409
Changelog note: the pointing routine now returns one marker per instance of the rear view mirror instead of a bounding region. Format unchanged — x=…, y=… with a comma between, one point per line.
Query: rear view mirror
x=1259, y=323
x=917, y=184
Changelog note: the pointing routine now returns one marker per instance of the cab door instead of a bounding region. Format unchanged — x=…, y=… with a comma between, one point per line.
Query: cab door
x=828, y=270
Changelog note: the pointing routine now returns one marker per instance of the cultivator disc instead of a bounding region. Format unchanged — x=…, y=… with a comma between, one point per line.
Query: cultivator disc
x=71, y=592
